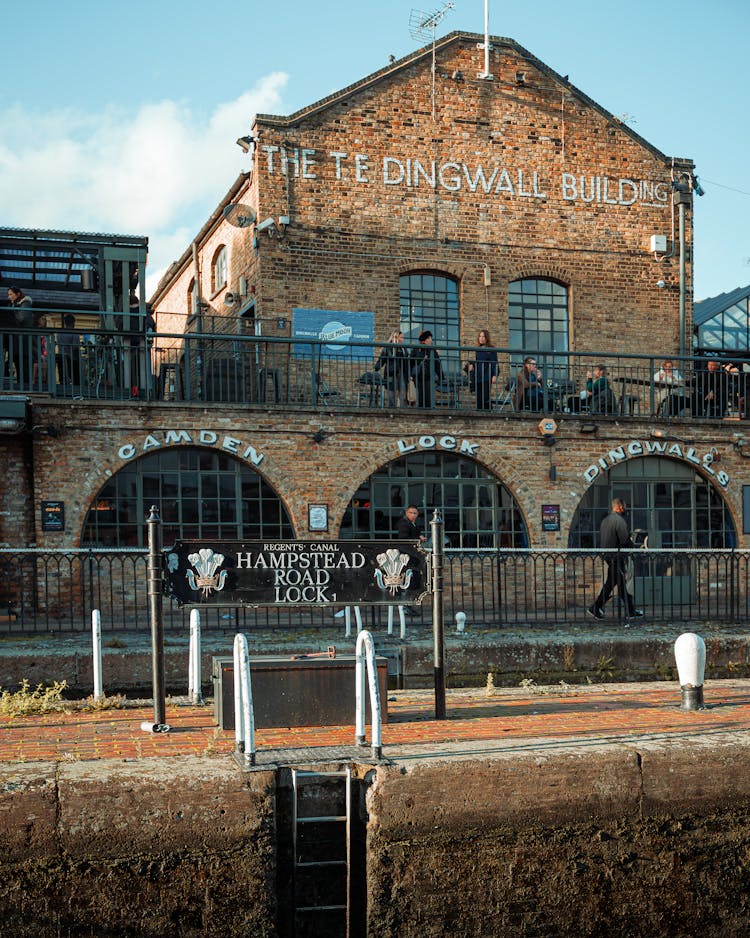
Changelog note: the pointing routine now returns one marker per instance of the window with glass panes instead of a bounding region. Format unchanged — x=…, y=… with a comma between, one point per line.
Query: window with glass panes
x=199, y=493
x=538, y=324
x=666, y=499
x=478, y=511
x=429, y=301
x=728, y=330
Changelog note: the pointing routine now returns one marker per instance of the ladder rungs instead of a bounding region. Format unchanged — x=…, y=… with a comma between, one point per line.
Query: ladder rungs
x=320, y=908
x=309, y=863
x=329, y=817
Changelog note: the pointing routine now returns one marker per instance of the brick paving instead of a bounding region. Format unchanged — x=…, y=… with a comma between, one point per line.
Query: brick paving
x=600, y=712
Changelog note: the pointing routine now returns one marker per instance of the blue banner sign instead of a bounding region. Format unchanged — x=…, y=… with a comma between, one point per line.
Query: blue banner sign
x=336, y=329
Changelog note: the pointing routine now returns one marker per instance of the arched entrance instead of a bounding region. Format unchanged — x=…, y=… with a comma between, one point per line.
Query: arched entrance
x=199, y=492
x=479, y=511
x=671, y=503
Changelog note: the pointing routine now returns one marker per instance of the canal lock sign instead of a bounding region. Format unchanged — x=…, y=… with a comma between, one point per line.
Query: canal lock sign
x=295, y=573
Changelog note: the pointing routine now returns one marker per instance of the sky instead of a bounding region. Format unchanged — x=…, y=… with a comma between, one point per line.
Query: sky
x=123, y=118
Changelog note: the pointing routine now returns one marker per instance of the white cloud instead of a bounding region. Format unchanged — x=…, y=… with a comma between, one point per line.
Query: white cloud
x=158, y=172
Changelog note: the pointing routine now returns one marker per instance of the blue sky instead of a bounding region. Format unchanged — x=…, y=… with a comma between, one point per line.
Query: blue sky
x=123, y=117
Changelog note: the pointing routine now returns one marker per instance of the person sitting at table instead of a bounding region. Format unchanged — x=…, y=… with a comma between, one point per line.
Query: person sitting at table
x=529, y=392
x=669, y=403
x=711, y=390
x=601, y=399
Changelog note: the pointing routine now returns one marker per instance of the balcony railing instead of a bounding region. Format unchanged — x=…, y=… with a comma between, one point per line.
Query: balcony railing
x=55, y=591
x=311, y=373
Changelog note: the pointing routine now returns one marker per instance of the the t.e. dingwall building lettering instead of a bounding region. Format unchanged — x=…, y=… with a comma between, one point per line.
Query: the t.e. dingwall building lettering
x=294, y=573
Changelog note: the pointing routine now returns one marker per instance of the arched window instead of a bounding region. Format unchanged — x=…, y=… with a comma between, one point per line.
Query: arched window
x=200, y=493
x=430, y=301
x=538, y=323
x=478, y=510
x=219, y=270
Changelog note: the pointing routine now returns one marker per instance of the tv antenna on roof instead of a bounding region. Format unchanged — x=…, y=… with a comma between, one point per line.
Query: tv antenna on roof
x=422, y=26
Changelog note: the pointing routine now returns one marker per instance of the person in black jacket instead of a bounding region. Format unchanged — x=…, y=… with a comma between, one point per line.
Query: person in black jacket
x=614, y=536
x=406, y=527
x=426, y=370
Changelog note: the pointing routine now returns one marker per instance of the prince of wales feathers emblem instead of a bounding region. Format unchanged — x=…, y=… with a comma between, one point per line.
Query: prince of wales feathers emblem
x=391, y=574
x=206, y=563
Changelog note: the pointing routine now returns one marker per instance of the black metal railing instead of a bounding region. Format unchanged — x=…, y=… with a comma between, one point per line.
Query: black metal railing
x=56, y=591
x=283, y=372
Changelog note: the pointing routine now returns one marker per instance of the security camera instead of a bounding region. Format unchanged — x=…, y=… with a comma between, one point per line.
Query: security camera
x=268, y=225
x=661, y=284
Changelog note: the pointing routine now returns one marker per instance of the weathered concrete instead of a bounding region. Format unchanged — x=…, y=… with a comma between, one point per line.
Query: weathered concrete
x=646, y=837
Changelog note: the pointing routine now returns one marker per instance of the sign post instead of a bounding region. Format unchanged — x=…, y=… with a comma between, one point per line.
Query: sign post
x=437, y=526
x=157, y=624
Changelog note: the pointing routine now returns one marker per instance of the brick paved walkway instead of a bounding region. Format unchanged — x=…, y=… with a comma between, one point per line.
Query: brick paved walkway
x=604, y=712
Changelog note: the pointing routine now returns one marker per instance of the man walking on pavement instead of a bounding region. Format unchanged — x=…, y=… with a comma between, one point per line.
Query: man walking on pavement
x=614, y=536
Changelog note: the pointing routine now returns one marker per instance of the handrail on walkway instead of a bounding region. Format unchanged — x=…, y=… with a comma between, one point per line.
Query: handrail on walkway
x=365, y=656
x=244, y=719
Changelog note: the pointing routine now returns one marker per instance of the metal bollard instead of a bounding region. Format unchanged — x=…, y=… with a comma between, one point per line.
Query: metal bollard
x=690, y=654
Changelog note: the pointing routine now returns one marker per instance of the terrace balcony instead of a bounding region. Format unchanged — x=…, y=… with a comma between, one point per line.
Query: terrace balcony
x=278, y=372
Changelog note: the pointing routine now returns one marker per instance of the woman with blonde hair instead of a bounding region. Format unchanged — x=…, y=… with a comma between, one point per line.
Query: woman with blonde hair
x=394, y=361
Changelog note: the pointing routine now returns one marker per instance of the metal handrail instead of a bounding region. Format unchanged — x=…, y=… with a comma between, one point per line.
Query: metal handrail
x=244, y=718
x=365, y=657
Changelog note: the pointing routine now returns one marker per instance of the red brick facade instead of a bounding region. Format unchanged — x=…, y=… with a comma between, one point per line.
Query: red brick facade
x=521, y=176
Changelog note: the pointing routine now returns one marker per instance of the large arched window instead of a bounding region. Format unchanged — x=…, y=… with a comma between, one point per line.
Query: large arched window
x=219, y=270
x=200, y=493
x=538, y=323
x=479, y=512
x=430, y=301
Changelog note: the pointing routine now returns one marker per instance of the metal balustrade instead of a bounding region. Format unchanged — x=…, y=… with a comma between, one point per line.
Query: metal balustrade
x=219, y=367
x=57, y=591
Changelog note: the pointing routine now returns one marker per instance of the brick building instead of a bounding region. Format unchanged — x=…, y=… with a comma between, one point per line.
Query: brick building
x=451, y=202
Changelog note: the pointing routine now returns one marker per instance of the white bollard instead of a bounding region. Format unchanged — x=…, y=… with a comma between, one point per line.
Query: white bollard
x=460, y=621
x=96, y=635
x=690, y=654
x=194, y=659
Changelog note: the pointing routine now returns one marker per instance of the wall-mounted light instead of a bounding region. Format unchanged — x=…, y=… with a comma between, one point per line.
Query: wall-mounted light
x=520, y=78
x=548, y=439
x=319, y=436
x=246, y=144
x=588, y=428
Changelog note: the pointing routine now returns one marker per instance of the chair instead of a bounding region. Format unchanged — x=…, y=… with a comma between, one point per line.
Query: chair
x=507, y=397
x=322, y=390
x=373, y=382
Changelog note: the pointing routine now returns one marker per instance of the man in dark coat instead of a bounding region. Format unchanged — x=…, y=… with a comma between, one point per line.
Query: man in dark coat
x=614, y=536
x=406, y=528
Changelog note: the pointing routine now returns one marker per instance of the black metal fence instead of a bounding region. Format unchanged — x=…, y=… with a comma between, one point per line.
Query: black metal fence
x=317, y=373
x=56, y=591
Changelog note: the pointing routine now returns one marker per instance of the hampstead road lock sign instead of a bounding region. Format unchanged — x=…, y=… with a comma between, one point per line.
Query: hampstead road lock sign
x=295, y=573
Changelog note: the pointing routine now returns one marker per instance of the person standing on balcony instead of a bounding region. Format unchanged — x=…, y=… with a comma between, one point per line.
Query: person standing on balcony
x=394, y=362
x=614, y=536
x=20, y=354
x=484, y=370
x=426, y=369
x=529, y=390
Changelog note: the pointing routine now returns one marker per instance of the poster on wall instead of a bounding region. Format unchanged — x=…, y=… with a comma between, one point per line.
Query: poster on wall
x=338, y=331
x=53, y=516
x=550, y=517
